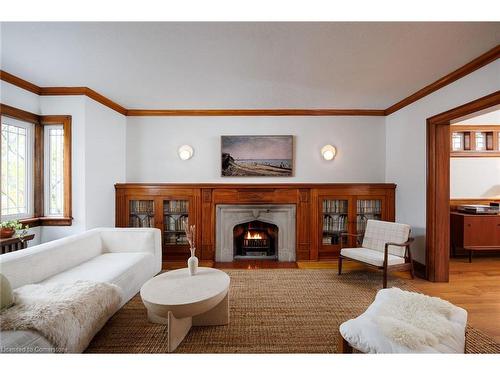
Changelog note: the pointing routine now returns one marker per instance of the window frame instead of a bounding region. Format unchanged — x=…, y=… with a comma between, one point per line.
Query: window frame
x=469, y=148
x=38, y=218
x=29, y=183
x=47, y=170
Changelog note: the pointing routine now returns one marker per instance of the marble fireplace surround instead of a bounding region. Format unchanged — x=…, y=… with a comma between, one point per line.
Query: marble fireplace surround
x=229, y=215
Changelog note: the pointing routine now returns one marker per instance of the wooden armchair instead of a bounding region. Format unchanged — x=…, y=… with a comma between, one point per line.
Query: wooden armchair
x=386, y=246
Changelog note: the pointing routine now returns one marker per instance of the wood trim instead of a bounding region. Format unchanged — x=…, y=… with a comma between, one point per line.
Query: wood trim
x=475, y=154
x=484, y=128
x=438, y=185
x=48, y=91
x=38, y=170
x=255, y=112
x=466, y=69
x=47, y=221
x=8, y=111
x=19, y=82
x=243, y=186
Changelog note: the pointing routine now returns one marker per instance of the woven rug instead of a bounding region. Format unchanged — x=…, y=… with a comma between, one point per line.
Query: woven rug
x=272, y=311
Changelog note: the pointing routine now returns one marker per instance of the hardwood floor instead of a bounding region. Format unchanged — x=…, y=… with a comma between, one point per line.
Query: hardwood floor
x=474, y=286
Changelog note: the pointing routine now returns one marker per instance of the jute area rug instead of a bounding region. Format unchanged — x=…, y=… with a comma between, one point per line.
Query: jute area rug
x=272, y=311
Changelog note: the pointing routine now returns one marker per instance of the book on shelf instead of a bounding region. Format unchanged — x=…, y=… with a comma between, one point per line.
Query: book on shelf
x=335, y=206
x=336, y=223
x=369, y=206
x=176, y=206
x=141, y=221
x=175, y=224
x=141, y=207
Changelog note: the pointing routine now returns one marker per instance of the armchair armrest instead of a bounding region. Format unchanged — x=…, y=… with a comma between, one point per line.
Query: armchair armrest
x=404, y=244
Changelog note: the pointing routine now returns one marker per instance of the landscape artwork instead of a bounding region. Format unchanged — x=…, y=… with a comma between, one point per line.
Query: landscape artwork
x=257, y=155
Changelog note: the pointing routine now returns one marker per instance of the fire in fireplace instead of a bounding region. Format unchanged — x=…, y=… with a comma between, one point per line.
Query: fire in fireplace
x=255, y=239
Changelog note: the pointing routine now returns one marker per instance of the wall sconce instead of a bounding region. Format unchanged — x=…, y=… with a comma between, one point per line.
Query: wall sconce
x=185, y=152
x=328, y=152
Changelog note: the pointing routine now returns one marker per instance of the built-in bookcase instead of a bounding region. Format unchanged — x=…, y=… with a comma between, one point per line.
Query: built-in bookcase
x=323, y=213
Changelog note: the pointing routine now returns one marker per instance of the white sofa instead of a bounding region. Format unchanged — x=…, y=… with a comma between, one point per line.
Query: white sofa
x=126, y=257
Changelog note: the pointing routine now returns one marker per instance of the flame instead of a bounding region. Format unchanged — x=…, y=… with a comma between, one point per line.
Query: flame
x=253, y=236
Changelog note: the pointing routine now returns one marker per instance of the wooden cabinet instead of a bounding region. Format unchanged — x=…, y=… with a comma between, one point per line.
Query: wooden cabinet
x=323, y=212
x=474, y=231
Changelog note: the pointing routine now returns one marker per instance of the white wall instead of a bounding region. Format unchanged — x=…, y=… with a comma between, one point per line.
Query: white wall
x=19, y=98
x=104, y=162
x=475, y=177
x=152, y=144
x=406, y=144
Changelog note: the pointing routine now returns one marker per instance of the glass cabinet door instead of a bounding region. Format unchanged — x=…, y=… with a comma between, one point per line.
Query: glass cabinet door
x=141, y=213
x=335, y=220
x=175, y=216
x=367, y=209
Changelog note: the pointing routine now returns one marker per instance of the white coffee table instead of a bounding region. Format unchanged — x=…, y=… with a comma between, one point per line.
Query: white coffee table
x=181, y=301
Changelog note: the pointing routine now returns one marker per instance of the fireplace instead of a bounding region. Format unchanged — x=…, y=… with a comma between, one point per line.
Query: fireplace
x=255, y=240
x=254, y=231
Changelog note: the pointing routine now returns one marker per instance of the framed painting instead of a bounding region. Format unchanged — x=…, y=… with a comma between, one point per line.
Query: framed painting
x=257, y=155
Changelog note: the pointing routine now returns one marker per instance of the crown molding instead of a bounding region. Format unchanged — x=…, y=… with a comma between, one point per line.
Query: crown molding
x=468, y=68
x=486, y=58
x=48, y=91
x=19, y=82
x=256, y=112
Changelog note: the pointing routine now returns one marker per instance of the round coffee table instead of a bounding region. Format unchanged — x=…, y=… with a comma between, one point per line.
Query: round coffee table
x=180, y=300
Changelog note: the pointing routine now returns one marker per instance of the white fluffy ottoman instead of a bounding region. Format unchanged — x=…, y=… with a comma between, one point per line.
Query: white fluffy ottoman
x=405, y=322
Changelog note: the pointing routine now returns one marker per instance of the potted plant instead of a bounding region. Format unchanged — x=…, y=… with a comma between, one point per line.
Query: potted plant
x=10, y=227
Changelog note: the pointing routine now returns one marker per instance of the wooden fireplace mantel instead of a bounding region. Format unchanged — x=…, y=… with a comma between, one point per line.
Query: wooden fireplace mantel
x=204, y=197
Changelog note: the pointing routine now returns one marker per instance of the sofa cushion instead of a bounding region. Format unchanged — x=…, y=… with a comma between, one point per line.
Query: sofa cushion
x=378, y=233
x=126, y=270
x=370, y=256
x=34, y=264
x=6, y=298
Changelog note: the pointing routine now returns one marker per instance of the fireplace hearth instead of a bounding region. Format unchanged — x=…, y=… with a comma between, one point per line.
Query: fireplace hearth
x=255, y=240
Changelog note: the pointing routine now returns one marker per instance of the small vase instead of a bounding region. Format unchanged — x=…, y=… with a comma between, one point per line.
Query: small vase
x=192, y=263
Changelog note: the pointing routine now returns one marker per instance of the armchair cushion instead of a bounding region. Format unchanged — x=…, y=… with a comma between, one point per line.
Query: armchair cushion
x=378, y=233
x=373, y=257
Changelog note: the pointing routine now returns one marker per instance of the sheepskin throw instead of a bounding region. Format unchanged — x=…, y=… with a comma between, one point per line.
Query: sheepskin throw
x=407, y=322
x=68, y=315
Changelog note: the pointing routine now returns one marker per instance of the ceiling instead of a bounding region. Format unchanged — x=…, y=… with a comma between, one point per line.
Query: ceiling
x=244, y=65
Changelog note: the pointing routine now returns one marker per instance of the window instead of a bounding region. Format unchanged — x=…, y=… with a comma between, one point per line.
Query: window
x=17, y=169
x=480, y=141
x=35, y=167
x=54, y=164
x=475, y=140
x=457, y=141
